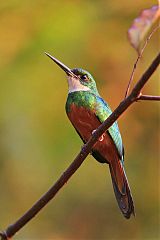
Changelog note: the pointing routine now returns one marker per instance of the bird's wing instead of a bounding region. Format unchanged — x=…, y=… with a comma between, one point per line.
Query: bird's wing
x=119, y=178
x=102, y=112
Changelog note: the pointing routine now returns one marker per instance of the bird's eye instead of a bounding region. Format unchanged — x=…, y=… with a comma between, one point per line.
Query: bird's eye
x=84, y=77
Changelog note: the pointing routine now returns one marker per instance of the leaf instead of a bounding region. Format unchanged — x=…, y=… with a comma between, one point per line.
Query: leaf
x=142, y=25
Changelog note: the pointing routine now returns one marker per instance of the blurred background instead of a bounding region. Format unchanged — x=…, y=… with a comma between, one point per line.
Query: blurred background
x=37, y=141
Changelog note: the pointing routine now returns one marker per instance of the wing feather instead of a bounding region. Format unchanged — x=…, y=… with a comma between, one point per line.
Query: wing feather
x=102, y=112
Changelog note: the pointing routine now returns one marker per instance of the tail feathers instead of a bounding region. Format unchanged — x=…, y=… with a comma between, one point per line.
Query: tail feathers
x=122, y=189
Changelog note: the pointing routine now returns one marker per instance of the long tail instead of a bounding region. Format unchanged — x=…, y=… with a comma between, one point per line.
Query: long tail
x=122, y=189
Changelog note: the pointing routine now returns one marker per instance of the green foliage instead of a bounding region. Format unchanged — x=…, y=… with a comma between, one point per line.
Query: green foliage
x=37, y=142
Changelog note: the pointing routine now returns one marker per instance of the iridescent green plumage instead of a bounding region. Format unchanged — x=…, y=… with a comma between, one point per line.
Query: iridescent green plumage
x=90, y=100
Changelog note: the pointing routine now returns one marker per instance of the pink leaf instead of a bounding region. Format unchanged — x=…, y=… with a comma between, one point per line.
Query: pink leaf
x=142, y=25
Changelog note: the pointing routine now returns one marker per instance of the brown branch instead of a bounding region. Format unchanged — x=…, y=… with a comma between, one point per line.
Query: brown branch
x=3, y=236
x=15, y=227
x=138, y=58
x=148, y=97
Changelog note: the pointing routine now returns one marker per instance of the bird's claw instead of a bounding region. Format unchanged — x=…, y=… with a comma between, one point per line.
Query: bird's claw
x=101, y=137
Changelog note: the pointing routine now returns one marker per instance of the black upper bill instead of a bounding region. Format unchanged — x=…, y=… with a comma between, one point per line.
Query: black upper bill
x=61, y=65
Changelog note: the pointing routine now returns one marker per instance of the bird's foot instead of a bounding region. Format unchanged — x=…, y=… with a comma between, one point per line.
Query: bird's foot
x=101, y=137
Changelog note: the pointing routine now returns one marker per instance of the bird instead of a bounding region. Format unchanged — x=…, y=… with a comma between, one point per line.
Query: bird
x=87, y=110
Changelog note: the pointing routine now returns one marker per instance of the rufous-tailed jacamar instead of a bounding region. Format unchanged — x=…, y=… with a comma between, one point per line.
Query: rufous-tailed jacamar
x=87, y=110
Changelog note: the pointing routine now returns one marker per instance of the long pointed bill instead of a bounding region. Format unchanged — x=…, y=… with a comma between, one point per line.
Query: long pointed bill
x=61, y=65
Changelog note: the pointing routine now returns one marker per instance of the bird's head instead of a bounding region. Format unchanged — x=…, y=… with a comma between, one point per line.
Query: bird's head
x=78, y=79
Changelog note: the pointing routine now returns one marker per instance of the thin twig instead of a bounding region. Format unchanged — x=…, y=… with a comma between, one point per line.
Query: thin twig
x=148, y=97
x=15, y=227
x=138, y=58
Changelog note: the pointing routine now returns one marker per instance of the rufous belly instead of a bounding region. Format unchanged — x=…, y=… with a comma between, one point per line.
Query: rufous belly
x=85, y=121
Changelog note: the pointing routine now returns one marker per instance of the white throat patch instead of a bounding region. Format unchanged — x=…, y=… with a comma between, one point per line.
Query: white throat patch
x=74, y=85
